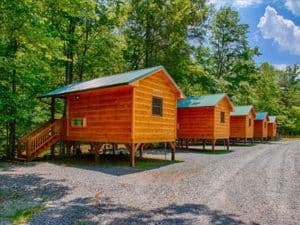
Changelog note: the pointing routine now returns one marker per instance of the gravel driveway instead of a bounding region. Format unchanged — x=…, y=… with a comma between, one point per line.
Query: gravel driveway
x=251, y=185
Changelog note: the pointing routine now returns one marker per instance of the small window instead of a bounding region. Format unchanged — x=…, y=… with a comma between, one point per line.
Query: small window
x=250, y=122
x=222, y=117
x=157, y=106
x=265, y=124
x=78, y=122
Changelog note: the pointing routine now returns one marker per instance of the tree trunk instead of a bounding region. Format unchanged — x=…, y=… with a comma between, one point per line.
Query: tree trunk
x=12, y=123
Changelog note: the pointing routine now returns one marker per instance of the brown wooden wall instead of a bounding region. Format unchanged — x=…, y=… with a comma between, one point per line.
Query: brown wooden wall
x=151, y=128
x=272, y=130
x=260, y=130
x=195, y=122
x=222, y=130
x=239, y=126
x=108, y=114
x=204, y=122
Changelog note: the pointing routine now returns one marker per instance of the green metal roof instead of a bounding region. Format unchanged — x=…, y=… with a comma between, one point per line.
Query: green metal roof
x=200, y=101
x=108, y=81
x=241, y=110
x=261, y=115
x=272, y=119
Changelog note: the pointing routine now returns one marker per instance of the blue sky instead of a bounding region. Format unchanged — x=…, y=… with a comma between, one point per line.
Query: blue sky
x=274, y=28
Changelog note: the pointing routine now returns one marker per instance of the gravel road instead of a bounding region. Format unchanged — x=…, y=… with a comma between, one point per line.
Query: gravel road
x=251, y=185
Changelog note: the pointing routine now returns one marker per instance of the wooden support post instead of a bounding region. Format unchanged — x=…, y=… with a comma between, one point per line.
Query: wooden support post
x=227, y=144
x=114, y=147
x=141, y=150
x=52, y=110
x=132, y=155
x=173, y=150
x=186, y=144
x=213, y=144
x=69, y=146
x=96, y=147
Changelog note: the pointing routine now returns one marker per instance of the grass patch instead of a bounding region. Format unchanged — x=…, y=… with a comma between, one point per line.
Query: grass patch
x=290, y=139
x=3, y=166
x=24, y=215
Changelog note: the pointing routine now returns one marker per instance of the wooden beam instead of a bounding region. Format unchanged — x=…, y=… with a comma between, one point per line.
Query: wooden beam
x=173, y=149
x=132, y=155
x=203, y=144
x=213, y=144
x=142, y=150
x=228, y=143
x=96, y=147
x=69, y=146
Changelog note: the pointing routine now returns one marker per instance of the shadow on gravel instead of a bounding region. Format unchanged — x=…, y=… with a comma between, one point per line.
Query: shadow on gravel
x=207, y=151
x=117, y=165
x=22, y=193
x=89, y=211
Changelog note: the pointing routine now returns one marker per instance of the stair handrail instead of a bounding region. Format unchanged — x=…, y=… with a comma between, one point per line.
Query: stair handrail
x=39, y=139
x=36, y=130
x=35, y=139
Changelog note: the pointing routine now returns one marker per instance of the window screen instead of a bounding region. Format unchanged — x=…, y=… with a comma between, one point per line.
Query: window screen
x=157, y=106
x=222, y=117
x=78, y=122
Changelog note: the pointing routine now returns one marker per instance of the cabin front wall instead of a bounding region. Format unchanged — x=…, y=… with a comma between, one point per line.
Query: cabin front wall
x=260, y=128
x=195, y=122
x=272, y=131
x=107, y=114
x=149, y=128
x=222, y=129
x=238, y=126
x=250, y=126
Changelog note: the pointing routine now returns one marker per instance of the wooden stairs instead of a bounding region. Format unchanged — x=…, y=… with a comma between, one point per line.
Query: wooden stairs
x=40, y=139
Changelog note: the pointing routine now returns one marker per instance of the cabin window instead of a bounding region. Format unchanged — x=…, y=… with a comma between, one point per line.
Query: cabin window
x=157, y=106
x=78, y=122
x=249, y=122
x=222, y=117
x=265, y=124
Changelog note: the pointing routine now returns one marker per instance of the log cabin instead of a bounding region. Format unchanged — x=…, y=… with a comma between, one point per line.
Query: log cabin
x=242, y=123
x=204, y=118
x=261, y=126
x=134, y=108
x=272, y=127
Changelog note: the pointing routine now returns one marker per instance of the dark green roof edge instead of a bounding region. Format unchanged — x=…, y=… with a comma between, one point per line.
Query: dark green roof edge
x=215, y=98
x=151, y=70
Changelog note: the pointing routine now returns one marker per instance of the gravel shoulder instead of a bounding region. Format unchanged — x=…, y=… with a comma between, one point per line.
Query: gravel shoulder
x=251, y=185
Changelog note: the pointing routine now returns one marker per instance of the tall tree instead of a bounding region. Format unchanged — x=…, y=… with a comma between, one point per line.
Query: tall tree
x=231, y=59
x=25, y=49
x=158, y=32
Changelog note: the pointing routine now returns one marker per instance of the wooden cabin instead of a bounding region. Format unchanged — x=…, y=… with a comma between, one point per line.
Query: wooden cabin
x=242, y=123
x=272, y=127
x=261, y=126
x=134, y=108
x=205, y=118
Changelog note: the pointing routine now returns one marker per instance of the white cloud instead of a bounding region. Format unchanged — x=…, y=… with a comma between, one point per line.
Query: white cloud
x=280, y=66
x=283, y=31
x=293, y=6
x=246, y=3
x=236, y=3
